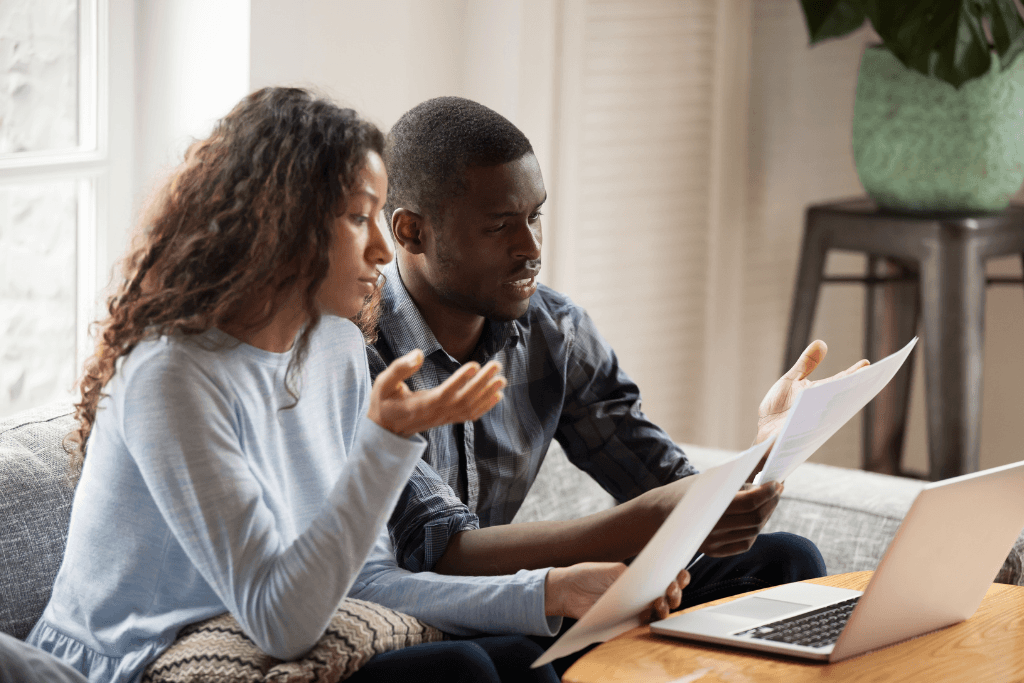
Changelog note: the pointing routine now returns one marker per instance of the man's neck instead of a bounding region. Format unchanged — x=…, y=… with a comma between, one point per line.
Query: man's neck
x=458, y=332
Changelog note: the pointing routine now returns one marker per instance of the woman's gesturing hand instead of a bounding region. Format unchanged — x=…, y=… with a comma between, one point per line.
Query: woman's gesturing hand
x=463, y=397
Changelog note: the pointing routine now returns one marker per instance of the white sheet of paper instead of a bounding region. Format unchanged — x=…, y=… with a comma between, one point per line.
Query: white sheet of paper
x=821, y=410
x=707, y=496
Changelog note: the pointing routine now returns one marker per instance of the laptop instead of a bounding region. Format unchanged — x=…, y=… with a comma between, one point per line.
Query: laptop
x=934, y=574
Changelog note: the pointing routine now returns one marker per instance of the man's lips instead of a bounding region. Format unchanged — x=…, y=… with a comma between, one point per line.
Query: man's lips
x=522, y=285
x=522, y=278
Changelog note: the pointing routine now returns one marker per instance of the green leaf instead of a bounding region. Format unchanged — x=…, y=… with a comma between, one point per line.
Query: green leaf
x=832, y=18
x=940, y=38
x=1007, y=30
x=968, y=56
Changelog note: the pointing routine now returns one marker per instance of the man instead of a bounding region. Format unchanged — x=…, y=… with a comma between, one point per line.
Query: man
x=464, y=202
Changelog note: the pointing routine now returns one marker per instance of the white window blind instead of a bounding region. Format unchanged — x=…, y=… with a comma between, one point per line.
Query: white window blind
x=633, y=188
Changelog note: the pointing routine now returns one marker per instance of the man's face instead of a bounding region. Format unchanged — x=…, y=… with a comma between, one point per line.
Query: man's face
x=486, y=248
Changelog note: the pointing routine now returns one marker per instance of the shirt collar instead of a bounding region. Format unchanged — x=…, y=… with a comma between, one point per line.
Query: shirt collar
x=401, y=322
x=403, y=325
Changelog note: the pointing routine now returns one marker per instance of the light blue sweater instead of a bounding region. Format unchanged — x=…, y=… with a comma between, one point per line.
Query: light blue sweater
x=200, y=495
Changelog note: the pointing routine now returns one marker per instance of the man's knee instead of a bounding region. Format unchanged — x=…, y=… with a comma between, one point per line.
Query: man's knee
x=795, y=556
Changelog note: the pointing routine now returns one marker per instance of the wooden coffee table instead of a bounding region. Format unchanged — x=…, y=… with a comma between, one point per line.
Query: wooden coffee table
x=987, y=647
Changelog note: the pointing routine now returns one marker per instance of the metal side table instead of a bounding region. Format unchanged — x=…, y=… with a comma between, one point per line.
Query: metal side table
x=920, y=266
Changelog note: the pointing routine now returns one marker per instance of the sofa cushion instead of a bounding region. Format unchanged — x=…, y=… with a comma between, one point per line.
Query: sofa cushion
x=850, y=515
x=561, y=491
x=35, y=505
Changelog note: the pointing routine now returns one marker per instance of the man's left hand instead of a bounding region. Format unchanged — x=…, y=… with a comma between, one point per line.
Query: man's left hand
x=775, y=406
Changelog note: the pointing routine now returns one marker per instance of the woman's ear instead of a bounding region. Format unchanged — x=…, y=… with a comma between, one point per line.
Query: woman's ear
x=407, y=227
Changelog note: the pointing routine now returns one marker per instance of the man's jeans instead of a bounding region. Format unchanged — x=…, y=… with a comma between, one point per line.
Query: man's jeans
x=774, y=559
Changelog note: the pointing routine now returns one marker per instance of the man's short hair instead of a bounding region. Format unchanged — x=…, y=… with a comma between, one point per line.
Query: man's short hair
x=430, y=147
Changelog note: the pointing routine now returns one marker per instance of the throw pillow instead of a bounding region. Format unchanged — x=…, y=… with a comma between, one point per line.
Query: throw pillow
x=218, y=650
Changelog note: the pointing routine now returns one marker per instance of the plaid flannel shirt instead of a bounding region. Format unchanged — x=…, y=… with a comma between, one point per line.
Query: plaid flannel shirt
x=564, y=382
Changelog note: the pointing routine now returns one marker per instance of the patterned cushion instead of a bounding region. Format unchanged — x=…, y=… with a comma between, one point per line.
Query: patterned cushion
x=218, y=650
x=35, y=505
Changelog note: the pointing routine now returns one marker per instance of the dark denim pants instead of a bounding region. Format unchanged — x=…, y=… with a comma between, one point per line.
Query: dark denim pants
x=493, y=659
x=773, y=560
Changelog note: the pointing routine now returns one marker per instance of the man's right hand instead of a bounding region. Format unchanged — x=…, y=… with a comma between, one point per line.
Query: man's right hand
x=743, y=520
x=469, y=393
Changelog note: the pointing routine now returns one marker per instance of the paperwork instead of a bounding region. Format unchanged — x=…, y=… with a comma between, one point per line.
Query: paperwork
x=821, y=410
x=817, y=414
x=672, y=546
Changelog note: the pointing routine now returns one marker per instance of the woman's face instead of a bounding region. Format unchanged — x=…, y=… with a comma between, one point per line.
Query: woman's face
x=360, y=245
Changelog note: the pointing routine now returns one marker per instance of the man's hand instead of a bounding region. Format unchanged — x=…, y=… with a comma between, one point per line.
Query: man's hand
x=743, y=520
x=775, y=406
x=571, y=591
x=671, y=600
x=469, y=393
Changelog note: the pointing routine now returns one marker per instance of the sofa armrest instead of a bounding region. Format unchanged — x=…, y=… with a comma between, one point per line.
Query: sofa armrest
x=35, y=506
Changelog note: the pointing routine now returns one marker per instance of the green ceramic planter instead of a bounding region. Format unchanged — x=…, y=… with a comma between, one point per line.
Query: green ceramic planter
x=922, y=145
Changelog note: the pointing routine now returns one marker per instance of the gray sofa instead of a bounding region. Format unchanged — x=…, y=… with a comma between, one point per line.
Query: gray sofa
x=850, y=515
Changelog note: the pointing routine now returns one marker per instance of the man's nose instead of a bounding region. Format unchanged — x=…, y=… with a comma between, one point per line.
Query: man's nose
x=528, y=241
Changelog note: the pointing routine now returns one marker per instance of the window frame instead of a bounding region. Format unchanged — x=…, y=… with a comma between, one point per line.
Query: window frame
x=90, y=163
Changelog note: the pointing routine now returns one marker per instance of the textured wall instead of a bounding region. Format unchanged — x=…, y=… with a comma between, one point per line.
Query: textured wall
x=37, y=293
x=38, y=112
x=38, y=75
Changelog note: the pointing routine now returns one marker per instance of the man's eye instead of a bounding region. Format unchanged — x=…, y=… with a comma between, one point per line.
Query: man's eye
x=360, y=219
x=497, y=228
x=535, y=215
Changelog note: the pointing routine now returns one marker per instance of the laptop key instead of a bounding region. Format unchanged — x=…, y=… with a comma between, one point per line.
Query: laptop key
x=817, y=628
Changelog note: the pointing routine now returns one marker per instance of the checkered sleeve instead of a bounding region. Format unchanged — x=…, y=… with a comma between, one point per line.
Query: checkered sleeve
x=428, y=512
x=602, y=428
x=426, y=517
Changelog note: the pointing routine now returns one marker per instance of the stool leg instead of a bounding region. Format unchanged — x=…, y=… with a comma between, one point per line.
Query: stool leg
x=805, y=296
x=953, y=307
x=891, y=311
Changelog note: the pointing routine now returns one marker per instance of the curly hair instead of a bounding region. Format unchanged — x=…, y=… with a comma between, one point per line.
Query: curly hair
x=249, y=210
x=432, y=144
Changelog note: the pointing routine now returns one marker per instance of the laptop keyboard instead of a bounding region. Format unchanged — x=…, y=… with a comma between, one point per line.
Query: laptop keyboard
x=816, y=628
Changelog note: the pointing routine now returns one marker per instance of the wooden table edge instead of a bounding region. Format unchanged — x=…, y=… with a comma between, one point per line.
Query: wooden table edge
x=747, y=665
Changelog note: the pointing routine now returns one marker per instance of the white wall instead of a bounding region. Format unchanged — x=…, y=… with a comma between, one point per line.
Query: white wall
x=191, y=67
x=780, y=140
x=385, y=57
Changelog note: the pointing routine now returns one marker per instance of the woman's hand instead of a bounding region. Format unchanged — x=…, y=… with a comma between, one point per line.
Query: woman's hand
x=571, y=591
x=463, y=397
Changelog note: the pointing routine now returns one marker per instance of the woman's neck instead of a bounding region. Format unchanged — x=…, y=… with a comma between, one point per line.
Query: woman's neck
x=278, y=334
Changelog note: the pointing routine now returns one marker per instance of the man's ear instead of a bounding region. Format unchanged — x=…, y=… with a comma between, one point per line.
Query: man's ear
x=407, y=227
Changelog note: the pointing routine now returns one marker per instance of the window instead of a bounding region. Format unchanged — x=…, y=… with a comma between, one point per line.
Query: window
x=54, y=175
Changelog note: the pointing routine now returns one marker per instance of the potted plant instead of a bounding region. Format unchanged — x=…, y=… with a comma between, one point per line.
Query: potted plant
x=939, y=114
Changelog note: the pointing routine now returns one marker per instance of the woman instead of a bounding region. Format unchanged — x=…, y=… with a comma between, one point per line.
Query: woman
x=232, y=453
